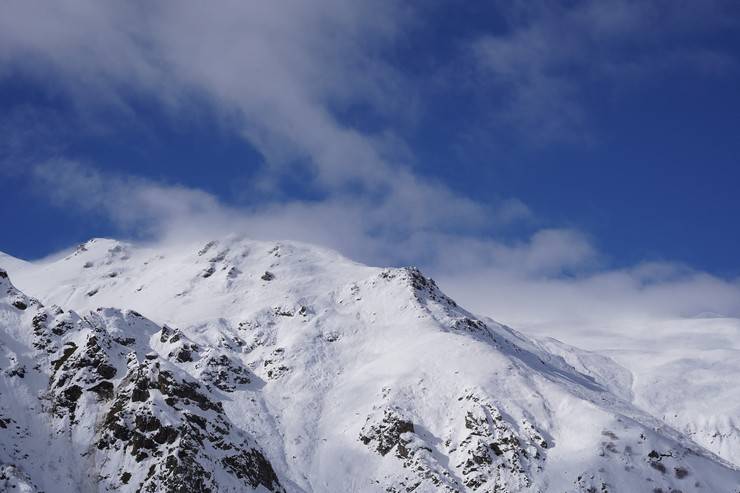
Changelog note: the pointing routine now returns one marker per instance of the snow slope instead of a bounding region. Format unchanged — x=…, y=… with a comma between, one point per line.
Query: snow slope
x=683, y=371
x=238, y=365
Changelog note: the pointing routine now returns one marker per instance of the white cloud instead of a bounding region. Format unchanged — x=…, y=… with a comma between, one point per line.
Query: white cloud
x=278, y=74
x=398, y=226
x=556, y=279
x=276, y=71
x=601, y=305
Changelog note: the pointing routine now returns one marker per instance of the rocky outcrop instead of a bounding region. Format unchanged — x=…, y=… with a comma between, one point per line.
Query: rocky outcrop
x=178, y=435
x=152, y=427
x=494, y=453
x=387, y=430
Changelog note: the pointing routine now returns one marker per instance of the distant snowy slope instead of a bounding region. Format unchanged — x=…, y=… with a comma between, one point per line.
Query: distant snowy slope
x=12, y=264
x=685, y=372
x=237, y=364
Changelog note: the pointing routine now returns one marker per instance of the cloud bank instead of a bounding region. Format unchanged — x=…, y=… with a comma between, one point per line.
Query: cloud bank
x=556, y=278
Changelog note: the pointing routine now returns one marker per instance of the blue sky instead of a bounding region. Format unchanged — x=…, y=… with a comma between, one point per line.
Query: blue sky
x=544, y=140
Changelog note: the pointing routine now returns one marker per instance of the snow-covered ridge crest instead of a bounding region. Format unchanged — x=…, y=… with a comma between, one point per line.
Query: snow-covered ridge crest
x=235, y=365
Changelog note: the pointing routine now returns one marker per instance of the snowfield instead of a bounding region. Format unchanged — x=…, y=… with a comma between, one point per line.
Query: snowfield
x=684, y=371
x=237, y=365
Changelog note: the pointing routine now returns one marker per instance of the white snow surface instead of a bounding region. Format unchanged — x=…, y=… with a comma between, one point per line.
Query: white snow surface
x=685, y=372
x=342, y=377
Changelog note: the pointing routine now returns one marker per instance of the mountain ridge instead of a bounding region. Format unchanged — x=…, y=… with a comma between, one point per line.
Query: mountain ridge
x=342, y=377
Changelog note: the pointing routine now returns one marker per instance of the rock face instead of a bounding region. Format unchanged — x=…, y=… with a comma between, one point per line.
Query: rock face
x=180, y=439
x=144, y=423
x=325, y=376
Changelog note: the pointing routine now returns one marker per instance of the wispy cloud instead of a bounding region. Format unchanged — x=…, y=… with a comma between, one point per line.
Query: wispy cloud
x=600, y=302
x=556, y=277
x=552, y=53
x=278, y=75
x=280, y=80
x=390, y=227
x=281, y=76
x=275, y=72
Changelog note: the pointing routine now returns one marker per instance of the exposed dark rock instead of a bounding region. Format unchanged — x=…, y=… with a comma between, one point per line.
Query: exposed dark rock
x=19, y=304
x=165, y=334
x=208, y=272
x=69, y=349
x=125, y=341
x=17, y=371
x=207, y=247
x=391, y=431
x=104, y=389
x=253, y=467
x=184, y=356
x=681, y=472
x=68, y=399
x=497, y=453
x=223, y=372
x=283, y=312
x=61, y=328
x=386, y=432
x=176, y=453
x=106, y=371
x=274, y=369
x=139, y=394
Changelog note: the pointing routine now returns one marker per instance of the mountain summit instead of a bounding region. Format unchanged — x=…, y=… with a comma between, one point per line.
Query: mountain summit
x=237, y=365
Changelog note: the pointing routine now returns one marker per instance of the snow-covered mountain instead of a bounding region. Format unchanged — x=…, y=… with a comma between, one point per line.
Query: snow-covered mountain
x=238, y=365
x=683, y=371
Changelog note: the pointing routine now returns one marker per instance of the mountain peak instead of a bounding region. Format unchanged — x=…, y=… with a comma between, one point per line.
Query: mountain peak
x=96, y=246
x=237, y=365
